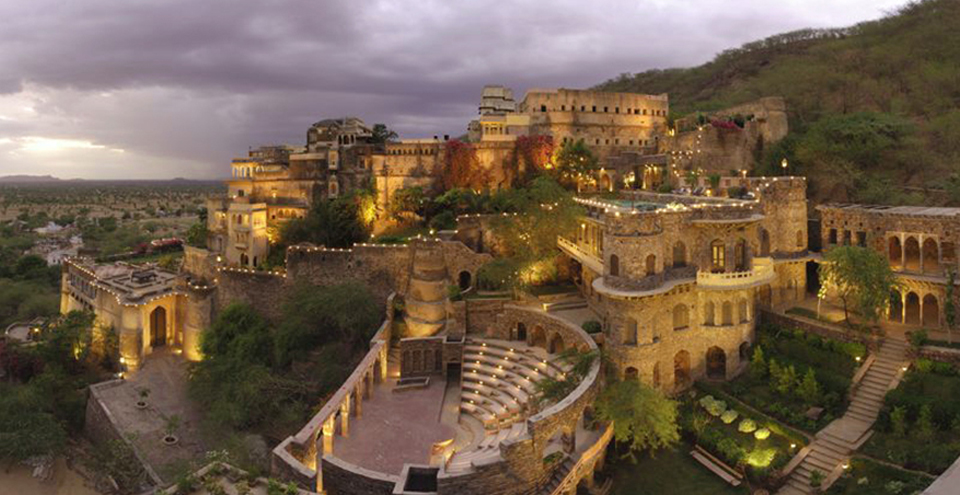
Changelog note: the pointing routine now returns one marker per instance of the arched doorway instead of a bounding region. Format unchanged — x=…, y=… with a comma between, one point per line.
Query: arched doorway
x=931, y=311
x=631, y=373
x=521, y=332
x=651, y=264
x=896, y=253
x=556, y=344
x=679, y=255
x=716, y=363
x=614, y=265
x=681, y=370
x=931, y=256
x=718, y=255
x=912, y=313
x=740, y=255
x=605, y=183
x=681, y=317
x=158, y=327
x=896, y=307
x=911, y=249
x=764, y=242
x=465, y=280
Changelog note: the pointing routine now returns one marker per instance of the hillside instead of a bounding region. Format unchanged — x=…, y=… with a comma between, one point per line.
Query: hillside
x=874, y=109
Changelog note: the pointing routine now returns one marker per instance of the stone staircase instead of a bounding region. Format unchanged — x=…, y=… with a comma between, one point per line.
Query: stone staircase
x=834, y=444
x=558, y=476
x=426, y=300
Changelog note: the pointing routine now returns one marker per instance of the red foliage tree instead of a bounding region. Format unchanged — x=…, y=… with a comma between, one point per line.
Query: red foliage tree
x=532, y=154
x=461, y=167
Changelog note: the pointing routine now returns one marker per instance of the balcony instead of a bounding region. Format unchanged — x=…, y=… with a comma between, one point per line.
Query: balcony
x=761, y=273
x=585, y=258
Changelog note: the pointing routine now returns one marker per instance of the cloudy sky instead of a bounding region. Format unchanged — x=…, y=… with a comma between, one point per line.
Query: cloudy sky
x=129, y=89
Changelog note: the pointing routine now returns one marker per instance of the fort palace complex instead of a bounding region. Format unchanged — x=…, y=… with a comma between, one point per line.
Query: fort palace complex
x=445, y=399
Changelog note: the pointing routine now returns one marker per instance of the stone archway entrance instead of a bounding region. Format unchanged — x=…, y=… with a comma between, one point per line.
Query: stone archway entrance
x=931, y=311
x=911, y=249
x=158, y=327
x=896, y=253
x=465, y=280
x=556, y=344
x=912, y=313
x=521, y=332
x=716, y=364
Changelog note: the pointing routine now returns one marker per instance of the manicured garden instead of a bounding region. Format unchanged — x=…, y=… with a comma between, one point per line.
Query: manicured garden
x=919, y=425
x=670, y=471
x=792, y=371
x=866, y=477
x=756, y=446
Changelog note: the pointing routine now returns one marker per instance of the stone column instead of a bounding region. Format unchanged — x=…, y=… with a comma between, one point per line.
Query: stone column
x=903, y=307
x=329, y=427
x=345, y=416
x=920, y=241
x=358, y=399
x=903, y=254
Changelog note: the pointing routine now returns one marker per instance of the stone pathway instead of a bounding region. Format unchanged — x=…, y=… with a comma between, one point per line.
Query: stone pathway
x=834, y=444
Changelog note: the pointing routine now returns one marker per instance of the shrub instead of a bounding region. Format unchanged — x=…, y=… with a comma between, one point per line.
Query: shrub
x=898, y=421
x=716, y=408
x=729, y=416
x=761, y=434
x=925, y=427
x=787, y=380
x=592, y=326
x=918, y=338
x=665, y=188
x=816, y=478
x=758, y=366
x=445, y=220
x=809, y=389
x=747, y=426
x=923, y=365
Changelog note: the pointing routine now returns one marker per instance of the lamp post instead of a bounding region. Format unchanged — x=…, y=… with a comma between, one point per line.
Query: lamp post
x=783, y=165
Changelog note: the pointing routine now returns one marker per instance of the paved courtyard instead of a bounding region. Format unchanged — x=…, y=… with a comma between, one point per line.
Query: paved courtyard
x=396, y=428
x=164, y=374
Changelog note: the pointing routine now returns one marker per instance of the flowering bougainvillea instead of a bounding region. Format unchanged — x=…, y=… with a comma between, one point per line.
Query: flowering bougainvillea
x=461, y=168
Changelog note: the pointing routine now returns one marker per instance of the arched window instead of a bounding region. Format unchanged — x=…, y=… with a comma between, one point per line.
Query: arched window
x=742, y=311
x=895, y=250
x=764, y=242
x=614, y=265
x=630, y=332
x=911, y=248
x=679, y=255
x=708, y=310
x=651, y=264
x=727, y=313
x=800, y=242
x=740, y=255
x=681, y=317
x=718, y=260
x=631, y=373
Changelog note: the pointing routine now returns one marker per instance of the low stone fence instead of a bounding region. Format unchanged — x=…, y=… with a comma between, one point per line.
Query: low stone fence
x=819, y=328
x=937, y=353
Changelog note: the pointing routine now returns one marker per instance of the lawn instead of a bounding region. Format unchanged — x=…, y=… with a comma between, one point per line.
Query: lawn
x=672, y=471
x=867, y=477
x=833, y=364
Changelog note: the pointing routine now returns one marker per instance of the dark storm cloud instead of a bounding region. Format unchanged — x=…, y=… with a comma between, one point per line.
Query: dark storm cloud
x=185, y=85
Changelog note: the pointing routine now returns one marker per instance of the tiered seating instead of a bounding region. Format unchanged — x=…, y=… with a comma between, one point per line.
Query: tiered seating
x=499, y=382
x=487, y=450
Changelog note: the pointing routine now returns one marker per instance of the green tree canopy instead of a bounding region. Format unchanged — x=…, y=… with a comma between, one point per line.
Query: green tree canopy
x=861, y=277
x=334, y=223
x=574, y=161
x=546, y=211
x=643, y=418
x=383, y=134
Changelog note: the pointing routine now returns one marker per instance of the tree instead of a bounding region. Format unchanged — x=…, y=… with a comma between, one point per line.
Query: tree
x=898, y=421
x=406, y=201
x=574, y=161
x=809, y=389
x=532, y=155
x=239, y=333
x=547, y=211
x=758, y=367
x=925, y=427
x=334, y=223
x=382, y=134
x=787, y=380
x=860, y=277
x=197, y=235
x=643, y=418
x=550, y=389
x=26, y=430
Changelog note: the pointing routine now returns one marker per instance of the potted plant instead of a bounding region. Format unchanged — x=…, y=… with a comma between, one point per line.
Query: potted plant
x=143, y=392
x=816, y=479
x=170, y=437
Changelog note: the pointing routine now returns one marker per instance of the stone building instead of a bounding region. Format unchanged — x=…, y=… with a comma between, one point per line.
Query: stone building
x=920, y=244
x=145, y=306
x=608, y=123
x=677, y=279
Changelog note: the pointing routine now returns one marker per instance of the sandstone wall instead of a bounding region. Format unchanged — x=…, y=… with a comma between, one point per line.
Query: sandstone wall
x=343, y=478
